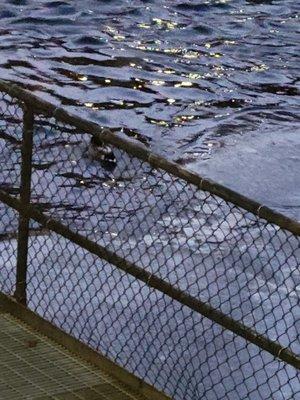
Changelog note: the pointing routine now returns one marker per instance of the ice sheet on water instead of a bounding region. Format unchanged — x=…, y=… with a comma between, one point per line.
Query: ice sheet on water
x=139, y=327
x=263, y=167
x=8, y=250
x=193, y=240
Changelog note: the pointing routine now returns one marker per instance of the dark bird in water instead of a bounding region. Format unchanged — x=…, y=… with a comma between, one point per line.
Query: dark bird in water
x=103, y=153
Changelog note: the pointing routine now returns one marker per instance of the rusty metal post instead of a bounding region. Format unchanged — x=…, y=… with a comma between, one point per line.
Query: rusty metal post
x=25, y=190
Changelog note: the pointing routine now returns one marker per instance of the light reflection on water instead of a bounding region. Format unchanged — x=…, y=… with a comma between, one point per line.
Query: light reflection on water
x=189, y=78
x=186, y=77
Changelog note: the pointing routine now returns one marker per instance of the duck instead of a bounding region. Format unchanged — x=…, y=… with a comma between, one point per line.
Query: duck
x=98, y=151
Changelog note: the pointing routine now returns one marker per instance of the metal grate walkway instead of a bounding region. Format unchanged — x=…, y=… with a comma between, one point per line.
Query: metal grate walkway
x=33, y=367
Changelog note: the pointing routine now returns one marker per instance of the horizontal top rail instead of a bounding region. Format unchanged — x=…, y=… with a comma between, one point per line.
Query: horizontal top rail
x=140, y=151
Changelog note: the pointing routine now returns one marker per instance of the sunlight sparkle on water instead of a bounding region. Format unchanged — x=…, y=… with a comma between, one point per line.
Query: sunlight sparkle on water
x=170, y=25
x=82, y=78
x=158, y=83
x=184, y=84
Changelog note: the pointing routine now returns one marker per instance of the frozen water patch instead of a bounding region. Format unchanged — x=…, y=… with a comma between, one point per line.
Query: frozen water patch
x=265, y=168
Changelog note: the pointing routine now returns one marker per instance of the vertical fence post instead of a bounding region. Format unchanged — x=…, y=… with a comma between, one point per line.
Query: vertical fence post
x=25, y=190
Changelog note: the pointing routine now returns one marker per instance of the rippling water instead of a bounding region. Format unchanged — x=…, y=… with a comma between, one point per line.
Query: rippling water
x=212, y=84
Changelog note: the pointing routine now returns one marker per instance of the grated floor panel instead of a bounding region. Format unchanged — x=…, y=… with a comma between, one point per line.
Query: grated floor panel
x=33, y=367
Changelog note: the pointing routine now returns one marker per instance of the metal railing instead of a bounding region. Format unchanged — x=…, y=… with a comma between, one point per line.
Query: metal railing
x=189, y=285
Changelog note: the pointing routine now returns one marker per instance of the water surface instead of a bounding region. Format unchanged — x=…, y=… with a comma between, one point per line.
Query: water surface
x=210, y=84
x=202, y=82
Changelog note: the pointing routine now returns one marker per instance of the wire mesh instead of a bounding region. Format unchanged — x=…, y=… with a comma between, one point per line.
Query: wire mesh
x=209, y=248
x=11, y=120
x=11, y=117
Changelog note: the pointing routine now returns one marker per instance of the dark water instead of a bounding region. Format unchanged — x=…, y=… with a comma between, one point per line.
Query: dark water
x=203, y=82
x=210, y=84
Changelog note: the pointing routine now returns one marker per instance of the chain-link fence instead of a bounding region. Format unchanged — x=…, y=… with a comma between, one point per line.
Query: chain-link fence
x=188, y=285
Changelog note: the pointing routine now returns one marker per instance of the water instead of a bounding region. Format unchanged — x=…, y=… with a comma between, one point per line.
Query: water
x=210, y=84
x=202, y=82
